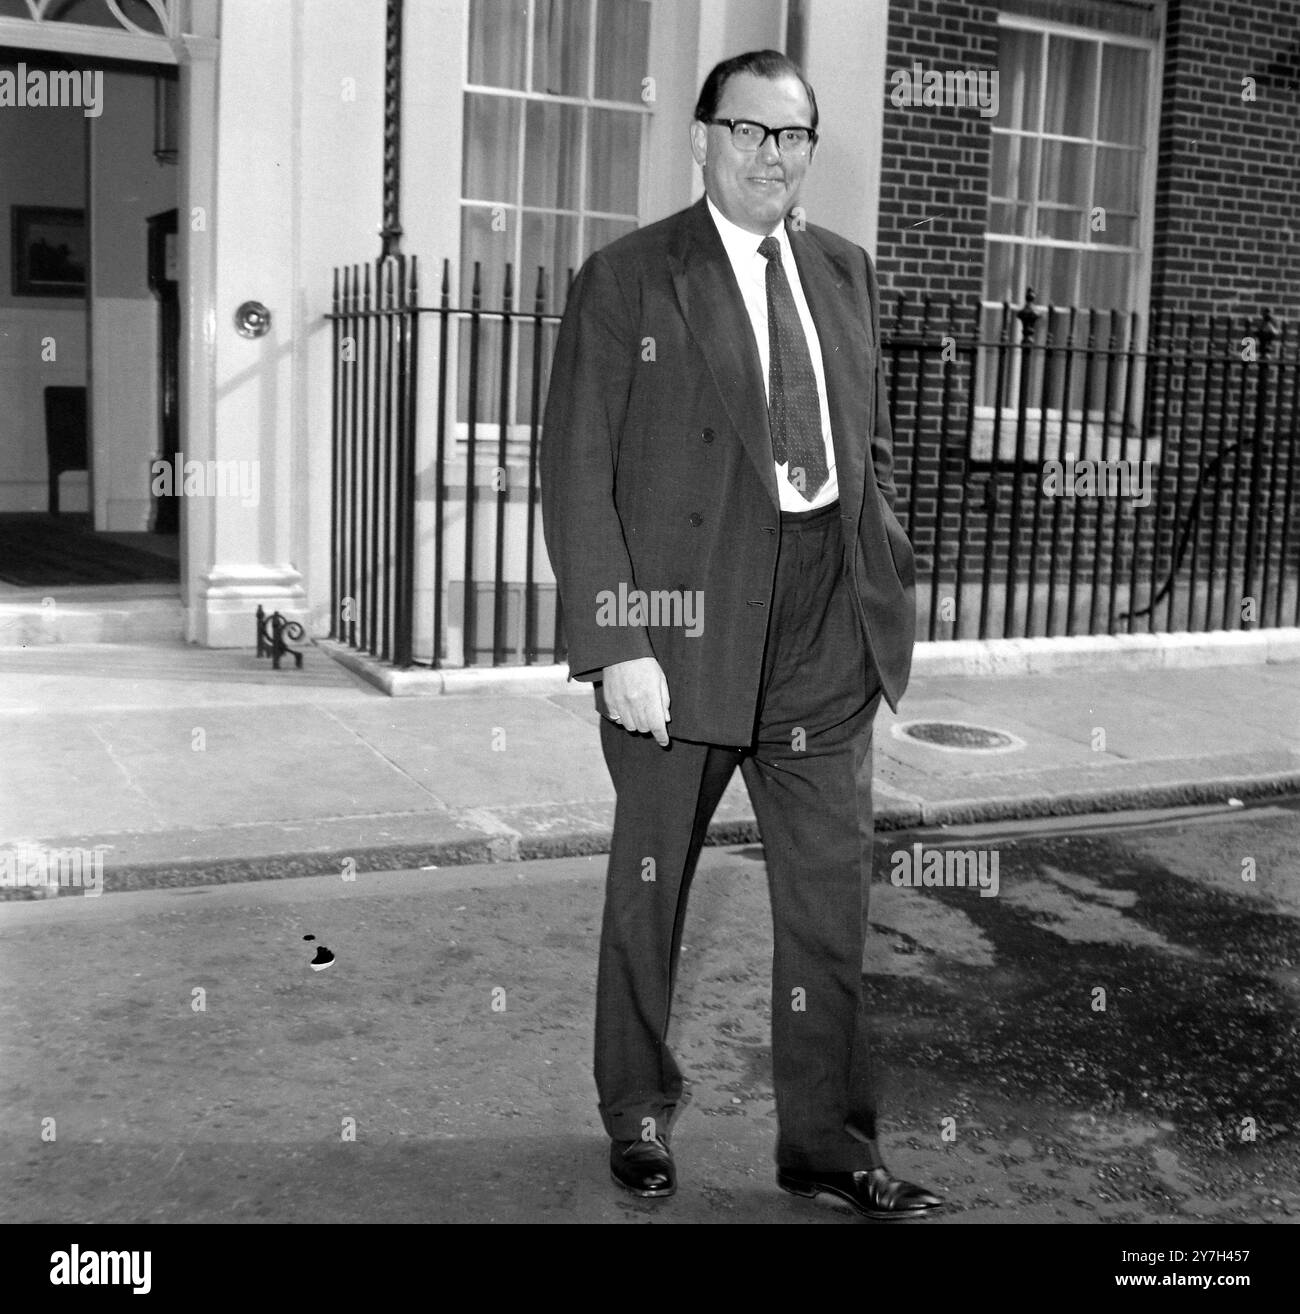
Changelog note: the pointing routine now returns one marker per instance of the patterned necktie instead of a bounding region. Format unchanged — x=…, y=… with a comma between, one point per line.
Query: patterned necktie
x=793, y=407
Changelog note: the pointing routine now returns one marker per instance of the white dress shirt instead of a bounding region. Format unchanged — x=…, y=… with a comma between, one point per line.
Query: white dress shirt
x=750, y=269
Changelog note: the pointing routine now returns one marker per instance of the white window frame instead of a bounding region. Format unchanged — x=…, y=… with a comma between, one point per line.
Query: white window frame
x=487, y=430
x=983, y=428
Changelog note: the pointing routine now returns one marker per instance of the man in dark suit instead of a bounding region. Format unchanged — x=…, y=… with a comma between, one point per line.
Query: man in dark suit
x=716, y=490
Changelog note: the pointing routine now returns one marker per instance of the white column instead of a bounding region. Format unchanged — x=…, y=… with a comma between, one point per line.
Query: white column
x=340, y=211
x=299, y=122
x=198, y=165
x=847, y=45
x=252, y=235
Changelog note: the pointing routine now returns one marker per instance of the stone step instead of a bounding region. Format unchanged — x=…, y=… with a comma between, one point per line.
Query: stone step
x=128, y=613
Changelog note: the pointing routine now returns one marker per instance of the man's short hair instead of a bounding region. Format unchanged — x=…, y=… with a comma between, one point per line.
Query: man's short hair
x=770, y=64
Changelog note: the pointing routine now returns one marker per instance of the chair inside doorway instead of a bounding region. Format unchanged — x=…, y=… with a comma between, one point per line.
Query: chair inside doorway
x=60, y=548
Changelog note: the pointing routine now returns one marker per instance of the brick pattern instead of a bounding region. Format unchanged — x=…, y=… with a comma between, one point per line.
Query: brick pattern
x=1226, y=241
x=1227, y=223
x=935, y=160
x=1226, y=220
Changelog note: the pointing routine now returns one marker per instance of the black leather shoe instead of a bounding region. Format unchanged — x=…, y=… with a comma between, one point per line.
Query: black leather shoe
x=874, y=1194
x=643, y=1167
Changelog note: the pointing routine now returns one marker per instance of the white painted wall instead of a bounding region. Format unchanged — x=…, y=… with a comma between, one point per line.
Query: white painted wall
x=341, y=188
x=845, y=62
x=126, y=186
x=251, y=228
x=299, y=99
x=124, y=411
x=671, y=175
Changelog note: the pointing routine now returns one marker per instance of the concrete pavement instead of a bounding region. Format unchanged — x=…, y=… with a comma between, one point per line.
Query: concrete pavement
x=186, y=766
x=171, y=1056
x=169, y=1053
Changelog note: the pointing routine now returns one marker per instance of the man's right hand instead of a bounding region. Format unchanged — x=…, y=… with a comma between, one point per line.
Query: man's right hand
x=636, y=696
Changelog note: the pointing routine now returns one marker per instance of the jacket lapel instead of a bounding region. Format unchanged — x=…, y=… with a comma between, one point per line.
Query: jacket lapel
x=714, y=310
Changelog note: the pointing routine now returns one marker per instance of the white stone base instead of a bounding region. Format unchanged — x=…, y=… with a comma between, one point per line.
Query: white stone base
x=1117, y=652
x=224, y=612
x=131, y=613
x=990, y=657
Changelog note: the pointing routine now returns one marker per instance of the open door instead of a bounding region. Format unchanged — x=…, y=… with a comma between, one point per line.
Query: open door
x=164, y=284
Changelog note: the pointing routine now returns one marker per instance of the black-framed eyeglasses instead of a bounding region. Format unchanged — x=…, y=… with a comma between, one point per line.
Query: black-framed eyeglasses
x=746, y=135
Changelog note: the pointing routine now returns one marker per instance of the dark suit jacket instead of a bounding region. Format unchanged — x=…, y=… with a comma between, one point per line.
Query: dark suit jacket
x=657, y=472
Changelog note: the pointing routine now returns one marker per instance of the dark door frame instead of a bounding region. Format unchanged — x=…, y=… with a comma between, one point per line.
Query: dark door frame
x=165, y=285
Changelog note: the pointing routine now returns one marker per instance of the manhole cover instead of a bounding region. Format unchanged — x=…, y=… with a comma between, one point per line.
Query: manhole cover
x=960, y=736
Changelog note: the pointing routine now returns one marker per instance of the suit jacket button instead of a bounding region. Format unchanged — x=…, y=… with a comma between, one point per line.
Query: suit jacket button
x=708, y=435
x=696, y=519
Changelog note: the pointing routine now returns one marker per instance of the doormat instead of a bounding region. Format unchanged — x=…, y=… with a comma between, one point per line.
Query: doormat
x=43, y=551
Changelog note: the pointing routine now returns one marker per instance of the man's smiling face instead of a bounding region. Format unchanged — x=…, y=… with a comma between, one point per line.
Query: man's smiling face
x=754, y=189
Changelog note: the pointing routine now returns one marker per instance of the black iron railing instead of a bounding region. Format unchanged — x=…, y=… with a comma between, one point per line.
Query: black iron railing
x=998, y=419
x=376, y=347
x=1001, y=417
x=437, y=545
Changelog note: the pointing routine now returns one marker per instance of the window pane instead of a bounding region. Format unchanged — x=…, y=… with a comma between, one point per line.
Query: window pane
x=498, y=32
x=561, y=46
x=1009, y=217
x=1064, y=174
x=1012, y=173
x=481, y=240
x=491, y=150
x=551, y=161
x=998, y=379
x=1061, y=225
x=622, y=48
x=1119, y=177
x=1019, y=78
x=1120, y=230
x=551, y=241
x=1071, y=87
x=614, y=160
x=488, y=374
x=1107, y=281
x=93, y=13
x=488, y=238
x=1004, y=275
x=1123, y=95
x=1053, y=273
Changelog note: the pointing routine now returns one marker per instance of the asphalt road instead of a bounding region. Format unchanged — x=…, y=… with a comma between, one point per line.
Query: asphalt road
x=1111, y=1037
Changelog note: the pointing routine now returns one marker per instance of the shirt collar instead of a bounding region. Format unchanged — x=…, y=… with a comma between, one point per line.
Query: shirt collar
x=741, y=244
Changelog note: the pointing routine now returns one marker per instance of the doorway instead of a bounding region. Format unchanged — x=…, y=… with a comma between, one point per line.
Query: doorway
x=89, y=307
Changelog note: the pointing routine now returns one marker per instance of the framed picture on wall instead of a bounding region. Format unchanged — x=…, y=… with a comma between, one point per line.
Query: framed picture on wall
x=49, y=251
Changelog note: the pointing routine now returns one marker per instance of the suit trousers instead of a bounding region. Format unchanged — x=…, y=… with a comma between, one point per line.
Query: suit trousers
x=808, y=773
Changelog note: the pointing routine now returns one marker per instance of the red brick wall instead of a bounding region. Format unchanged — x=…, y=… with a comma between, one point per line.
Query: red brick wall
x=1226, y=239
x=935, y=160
x=1227, y=216
x=1227, y=205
